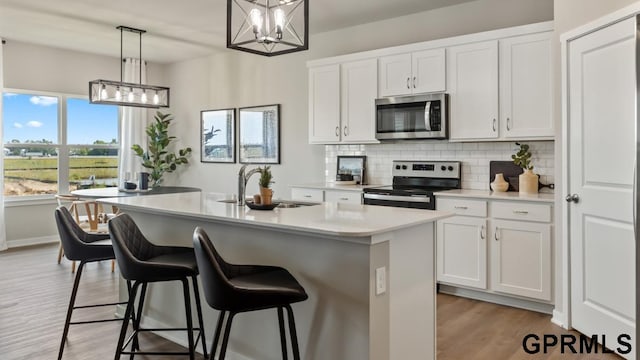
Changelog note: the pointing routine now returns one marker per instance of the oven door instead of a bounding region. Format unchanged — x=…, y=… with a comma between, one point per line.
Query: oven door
x=414, y=202
x=412, y=117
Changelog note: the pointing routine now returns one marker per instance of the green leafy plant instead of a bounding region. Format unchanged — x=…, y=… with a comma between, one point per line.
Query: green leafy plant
x=265, y=177
x=157, y=157
x=523, y=157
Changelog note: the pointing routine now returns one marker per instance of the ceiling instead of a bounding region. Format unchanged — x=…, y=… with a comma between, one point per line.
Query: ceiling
x=176, y=30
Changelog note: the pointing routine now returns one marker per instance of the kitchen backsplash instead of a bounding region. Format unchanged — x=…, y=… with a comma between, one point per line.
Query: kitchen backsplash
x=475, y=158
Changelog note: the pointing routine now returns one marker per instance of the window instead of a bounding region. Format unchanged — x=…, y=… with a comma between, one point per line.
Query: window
x=55, y=143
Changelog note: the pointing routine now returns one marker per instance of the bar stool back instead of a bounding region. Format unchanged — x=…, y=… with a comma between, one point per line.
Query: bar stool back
x=241, y=288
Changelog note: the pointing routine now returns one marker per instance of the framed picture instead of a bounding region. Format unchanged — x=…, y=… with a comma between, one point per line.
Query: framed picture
x=218, y=135
x=352, y=165
x=259, y=140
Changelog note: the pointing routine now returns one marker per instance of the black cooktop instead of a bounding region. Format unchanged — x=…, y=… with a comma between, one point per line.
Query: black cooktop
x=400, y=191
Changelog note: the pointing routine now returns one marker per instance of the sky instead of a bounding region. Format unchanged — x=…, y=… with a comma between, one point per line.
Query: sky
x=32, y=117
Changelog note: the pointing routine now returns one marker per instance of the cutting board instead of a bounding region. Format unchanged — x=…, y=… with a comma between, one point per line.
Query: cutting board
x=508, y=169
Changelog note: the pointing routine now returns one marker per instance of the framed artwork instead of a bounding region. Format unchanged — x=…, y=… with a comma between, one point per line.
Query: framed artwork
x=217, y=136
x=259, y=129
x=352, y=165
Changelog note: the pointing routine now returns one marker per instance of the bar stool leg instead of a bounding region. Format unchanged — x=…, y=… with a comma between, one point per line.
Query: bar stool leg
x=136, y=317
x=283, y=337
x=216, y=336
x=60, y=253
x=196, y=293
x=292, y=333
x=225, y=339
x=187, y=305
x=72, y=303
x=125, y=322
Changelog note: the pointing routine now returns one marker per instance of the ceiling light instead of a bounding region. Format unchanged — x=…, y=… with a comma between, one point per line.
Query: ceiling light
x=111, y=92
x=268, y=27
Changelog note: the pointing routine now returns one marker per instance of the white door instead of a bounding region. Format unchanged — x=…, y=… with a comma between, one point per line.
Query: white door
x=428, y=69
x=521, y=258
x=472, y=84
x=359, y=83
x=461, y=247
x=324, y=104
x=395, y=75
x=601, y=122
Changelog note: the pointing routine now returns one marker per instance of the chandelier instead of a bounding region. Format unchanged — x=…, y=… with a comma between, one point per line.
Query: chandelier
x=268, y=27
x=128, y=94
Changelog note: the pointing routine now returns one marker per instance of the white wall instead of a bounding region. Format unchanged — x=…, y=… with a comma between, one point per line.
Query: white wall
x=35, y=67
x=236, y=79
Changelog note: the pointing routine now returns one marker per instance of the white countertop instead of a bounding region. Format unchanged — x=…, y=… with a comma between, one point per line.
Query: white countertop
x=345, y=220
x=333, y=186
x=494, y=195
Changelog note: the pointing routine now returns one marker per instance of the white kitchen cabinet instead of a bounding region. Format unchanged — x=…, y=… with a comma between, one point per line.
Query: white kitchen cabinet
x=521, y=258
x=526, y=87
x=304, y=194
x=324, y=104
x=413, y=73
x=472, y=85
x=342, y=102
x=461, y=246
x=345, y=197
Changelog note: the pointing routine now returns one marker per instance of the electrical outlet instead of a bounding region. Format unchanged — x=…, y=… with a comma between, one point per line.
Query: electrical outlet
x=381, y=280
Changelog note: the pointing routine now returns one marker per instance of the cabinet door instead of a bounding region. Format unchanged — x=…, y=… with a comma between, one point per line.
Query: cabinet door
x=526, y=87
x=428, y=69
x=324, y=104
x=359, y=83
x=521, y=258
x=395, y=75
x=472, y=84
x=347, y=197
x=461, y=248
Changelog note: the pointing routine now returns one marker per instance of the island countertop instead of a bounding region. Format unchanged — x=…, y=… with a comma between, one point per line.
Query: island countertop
x=333, y=219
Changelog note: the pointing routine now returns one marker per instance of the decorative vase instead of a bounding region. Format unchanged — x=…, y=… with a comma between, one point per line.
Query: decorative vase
x=528, y=182
x=265, y=195
x=499, y=184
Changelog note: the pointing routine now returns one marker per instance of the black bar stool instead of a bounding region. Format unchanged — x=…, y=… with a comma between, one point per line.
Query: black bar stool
x=242, y=288
x=84, y=247
x=142, y=262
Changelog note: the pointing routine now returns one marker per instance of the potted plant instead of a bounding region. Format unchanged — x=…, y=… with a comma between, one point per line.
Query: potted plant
x=528, y=181
x=265, y=181
x=157, y=158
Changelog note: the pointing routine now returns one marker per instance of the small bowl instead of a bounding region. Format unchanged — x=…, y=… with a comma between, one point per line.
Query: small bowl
x=130, y=185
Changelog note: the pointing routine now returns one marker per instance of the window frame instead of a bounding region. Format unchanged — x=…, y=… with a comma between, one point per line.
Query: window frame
x=61, y=145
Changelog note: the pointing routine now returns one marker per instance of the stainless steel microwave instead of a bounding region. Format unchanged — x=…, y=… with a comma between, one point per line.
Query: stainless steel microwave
x=412, y=117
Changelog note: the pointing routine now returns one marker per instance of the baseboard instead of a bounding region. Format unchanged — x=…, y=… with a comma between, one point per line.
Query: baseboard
x=496, y=299
x=559, y=319
x=33, y=241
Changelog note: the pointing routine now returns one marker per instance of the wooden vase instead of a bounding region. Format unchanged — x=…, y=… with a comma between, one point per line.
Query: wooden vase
x=528, y=182
x=265, y=195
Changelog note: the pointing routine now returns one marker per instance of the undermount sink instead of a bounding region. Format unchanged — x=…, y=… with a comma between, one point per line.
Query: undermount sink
x=230, y=201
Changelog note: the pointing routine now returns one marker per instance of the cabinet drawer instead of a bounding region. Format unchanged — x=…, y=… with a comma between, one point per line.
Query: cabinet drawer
x=352, y=197
x=515, y=210
x=307, y=194
x=463, y=206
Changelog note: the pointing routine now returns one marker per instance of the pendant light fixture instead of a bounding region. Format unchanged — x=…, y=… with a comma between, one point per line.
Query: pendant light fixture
x=268, y=27
x=128, y=94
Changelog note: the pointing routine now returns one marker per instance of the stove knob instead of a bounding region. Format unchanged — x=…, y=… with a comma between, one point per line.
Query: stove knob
x=450, y=168
x=443, y=168
x=404, y=167
x=397, y=167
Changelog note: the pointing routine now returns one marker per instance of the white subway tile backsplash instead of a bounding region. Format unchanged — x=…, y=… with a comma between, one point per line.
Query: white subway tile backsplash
x=475, y=158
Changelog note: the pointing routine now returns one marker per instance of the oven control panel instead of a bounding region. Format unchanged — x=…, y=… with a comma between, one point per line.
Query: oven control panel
x=432, y=169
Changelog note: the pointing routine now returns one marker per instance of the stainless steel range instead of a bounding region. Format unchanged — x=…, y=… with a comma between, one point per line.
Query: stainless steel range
x=414, y=183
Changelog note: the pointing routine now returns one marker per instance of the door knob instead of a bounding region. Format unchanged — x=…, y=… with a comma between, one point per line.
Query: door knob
x=572, y=198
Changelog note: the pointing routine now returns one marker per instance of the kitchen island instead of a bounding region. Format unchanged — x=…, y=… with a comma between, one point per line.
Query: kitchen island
x=334, y=250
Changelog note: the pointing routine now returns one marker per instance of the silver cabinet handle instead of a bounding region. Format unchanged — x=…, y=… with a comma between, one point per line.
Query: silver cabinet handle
x=345, y=132
x=408, y=83
x=495, y=234
x=414, y=82
x=494, y=125
x=460, y=207
x=482, y=235
x=345, y=199
x=572, y=198
x=508, y=127
x=520, y=212
x=307, y=196
x=337, y=131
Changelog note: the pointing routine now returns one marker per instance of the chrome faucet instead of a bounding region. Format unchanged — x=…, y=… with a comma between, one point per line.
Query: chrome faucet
x=242, y=182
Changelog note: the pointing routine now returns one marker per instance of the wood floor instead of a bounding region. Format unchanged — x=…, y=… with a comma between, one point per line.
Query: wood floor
x=34, y=293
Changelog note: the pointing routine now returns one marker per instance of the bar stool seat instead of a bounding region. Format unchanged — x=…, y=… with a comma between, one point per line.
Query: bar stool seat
x=234, y=289
x=143, y=262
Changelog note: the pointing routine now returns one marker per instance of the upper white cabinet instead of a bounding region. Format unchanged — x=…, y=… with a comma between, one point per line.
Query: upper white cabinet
x=520, y=67
x=526, y=81
x=342, y=102
x=414, y=73
x=472, y=84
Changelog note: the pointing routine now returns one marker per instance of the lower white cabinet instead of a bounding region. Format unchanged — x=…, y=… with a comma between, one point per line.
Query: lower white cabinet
x=320, y=195
x=304, y=194
x=506, y=250
x=348, y=197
